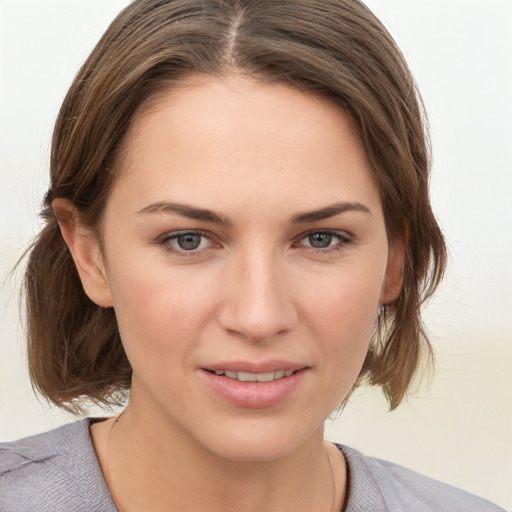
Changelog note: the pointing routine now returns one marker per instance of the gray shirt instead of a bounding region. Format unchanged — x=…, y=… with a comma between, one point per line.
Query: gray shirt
x=57, y=471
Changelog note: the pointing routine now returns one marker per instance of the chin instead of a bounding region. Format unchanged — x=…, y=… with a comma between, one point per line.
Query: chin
x=260, y=441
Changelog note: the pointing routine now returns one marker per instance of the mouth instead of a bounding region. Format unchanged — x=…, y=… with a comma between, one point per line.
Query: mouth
x=255, y=377
x=255, y=385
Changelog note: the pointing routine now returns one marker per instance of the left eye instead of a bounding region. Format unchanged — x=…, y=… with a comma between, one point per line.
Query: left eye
x=323, y=240
x=187, y=241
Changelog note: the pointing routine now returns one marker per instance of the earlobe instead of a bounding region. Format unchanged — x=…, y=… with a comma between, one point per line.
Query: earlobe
x=85, y=250
x=393, y=279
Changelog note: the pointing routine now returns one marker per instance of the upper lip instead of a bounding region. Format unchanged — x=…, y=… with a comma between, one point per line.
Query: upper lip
x=253, y=367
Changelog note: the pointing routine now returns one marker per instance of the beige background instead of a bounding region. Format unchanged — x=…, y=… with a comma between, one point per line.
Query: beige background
x=459, y=427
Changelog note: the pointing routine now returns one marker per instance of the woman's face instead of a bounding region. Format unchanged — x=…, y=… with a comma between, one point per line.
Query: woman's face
x=244, y=239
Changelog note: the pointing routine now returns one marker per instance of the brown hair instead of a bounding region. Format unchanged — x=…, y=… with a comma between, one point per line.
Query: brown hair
x=334, y=48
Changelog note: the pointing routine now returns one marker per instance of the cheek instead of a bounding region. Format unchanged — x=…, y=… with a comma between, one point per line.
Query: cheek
x=158, y=309
x=342, y=317
x=339, y=319
x=347, y=302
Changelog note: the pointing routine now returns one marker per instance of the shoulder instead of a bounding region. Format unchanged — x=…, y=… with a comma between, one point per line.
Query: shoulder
x=56, y=471
x=399, y=489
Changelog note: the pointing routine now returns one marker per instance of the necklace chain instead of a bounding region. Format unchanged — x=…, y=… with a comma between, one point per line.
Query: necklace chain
x=109, y=480
x=107, y=469
x=333, y=481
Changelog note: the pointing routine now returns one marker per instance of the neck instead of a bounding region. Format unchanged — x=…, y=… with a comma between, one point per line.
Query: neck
x=154, y=465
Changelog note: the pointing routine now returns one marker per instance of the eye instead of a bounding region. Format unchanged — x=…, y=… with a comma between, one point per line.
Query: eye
x=324, y=240
x=190, y=242
x=320, y=240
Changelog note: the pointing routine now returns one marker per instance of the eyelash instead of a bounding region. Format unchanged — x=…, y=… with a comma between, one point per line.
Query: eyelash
x=165, y=241
x=344, y=240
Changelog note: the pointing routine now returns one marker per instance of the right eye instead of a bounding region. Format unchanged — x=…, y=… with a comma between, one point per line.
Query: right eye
x=186, y=242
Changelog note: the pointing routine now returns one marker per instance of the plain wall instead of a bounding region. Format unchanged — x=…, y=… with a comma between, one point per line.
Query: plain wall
x=458, y=426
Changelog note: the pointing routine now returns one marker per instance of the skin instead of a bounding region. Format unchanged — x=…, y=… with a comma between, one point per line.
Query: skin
x=259, y=155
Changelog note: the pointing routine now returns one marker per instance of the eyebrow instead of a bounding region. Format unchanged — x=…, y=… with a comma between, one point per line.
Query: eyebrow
x=185, y=210
x=330, y=211
x=205, y=215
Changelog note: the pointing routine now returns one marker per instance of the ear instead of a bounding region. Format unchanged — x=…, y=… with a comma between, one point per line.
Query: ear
x=85, y=249
x=392, y=284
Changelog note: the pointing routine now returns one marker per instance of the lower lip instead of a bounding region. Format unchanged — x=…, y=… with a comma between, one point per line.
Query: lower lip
x=254, y=395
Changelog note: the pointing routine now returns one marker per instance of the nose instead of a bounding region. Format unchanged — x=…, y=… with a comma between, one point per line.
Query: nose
x=257, y=298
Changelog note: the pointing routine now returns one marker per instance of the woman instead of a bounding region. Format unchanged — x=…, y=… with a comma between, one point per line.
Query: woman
x=238, y=233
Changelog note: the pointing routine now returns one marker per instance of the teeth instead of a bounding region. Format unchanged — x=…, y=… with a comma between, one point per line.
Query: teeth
x=255, y=377
x=267, y=377
x=246, y=377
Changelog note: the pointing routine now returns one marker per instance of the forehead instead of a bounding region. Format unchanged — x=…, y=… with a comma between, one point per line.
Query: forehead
x=239, y=139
